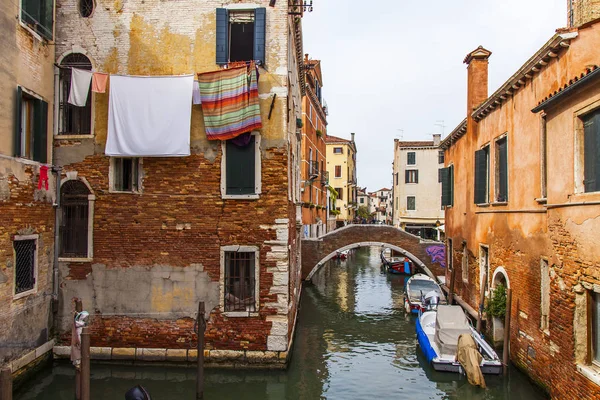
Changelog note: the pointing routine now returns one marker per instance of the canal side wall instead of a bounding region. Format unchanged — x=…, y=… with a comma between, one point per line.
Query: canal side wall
x=157, y=252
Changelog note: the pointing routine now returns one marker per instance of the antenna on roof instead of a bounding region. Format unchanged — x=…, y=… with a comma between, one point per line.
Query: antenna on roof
x=440, y=123
x=401, y=135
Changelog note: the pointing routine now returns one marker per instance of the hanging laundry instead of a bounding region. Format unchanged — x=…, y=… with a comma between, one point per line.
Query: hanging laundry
x=99, y=80
x=80, y=86
x=230, y=102
x=43, y=179
x=149, y=116
x=196, y=99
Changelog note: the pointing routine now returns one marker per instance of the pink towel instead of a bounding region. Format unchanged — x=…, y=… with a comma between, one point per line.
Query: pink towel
x=99, y=82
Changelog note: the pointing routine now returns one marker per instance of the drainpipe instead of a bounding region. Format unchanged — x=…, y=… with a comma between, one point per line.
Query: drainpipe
x=57, y=173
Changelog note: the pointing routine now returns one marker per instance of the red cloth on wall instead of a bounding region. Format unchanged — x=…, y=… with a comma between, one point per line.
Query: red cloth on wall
x=43, y=177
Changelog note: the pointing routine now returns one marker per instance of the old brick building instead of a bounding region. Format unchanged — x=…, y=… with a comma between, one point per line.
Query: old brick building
x=315, y=179
x=26, y=213
x=521, y=195
x=144, y=239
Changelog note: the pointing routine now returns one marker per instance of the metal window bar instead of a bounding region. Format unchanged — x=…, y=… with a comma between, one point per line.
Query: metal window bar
x=74, y=223
x=239, y=281
x=73, y=120
x=313, y=169
x=86, y=7
x=25, y=265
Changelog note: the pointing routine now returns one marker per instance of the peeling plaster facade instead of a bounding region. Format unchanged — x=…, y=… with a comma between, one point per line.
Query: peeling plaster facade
x=26, y=61
x=542, y=242
x=158, y=252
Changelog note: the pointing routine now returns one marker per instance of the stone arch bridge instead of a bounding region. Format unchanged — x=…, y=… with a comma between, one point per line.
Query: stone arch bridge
x=429, y=255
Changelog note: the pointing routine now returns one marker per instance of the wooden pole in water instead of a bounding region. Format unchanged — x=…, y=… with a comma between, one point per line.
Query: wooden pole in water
x=201, y=322
x=481, y=301
x=78, y=309
x=506, y=345
x=85, y=364
x=6, y=384
x=451, y=290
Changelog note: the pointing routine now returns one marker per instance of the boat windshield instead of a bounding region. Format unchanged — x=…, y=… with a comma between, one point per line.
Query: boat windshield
x=420, y=287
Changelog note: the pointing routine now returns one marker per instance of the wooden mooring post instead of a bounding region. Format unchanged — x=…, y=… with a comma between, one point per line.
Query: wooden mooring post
x=451, y=288
x=6, y=384
x=201, y=323
x=506, y=345
x=78, y=309
x=85, y=364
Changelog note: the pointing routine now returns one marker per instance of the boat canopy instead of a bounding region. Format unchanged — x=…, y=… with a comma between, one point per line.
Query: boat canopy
x=450, y=323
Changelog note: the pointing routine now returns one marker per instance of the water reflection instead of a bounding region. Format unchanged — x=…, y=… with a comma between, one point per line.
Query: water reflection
x=353, y=341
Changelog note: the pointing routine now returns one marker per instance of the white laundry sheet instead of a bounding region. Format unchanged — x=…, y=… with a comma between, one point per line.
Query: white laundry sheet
x=149, y=116
x=80, y=87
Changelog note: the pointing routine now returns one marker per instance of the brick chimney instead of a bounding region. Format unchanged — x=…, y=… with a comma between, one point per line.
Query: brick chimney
x=582, y=11
x=436, y=139
x=477, y=77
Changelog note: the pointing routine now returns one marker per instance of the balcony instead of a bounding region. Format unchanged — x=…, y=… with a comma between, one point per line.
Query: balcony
x=324, y=178
x=313, y=170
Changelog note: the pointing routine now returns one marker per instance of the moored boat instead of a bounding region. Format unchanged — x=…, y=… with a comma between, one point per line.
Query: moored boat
x=416, y=288
x=395, y=264
x=438, y=331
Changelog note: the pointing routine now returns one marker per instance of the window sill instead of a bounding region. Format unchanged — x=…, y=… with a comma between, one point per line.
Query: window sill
x=123, y=192
x=240, y=314
x=590, y=371
x=483, y=204
x=73, y=136
x=75, y=259
x=32, y=32
x=499, y=203
x=542, y=200
x=24, y=294
x=241, y=196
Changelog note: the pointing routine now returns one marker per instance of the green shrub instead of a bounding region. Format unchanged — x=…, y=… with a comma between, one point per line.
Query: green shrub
x=496, y=304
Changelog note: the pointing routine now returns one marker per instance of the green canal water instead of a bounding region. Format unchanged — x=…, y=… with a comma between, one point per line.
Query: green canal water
x=353, y=341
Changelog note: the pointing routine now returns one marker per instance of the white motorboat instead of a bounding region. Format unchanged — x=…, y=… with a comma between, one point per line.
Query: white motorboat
x=416, y=288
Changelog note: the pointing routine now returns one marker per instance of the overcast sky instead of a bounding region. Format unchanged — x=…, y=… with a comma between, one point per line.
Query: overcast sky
x=394, y=68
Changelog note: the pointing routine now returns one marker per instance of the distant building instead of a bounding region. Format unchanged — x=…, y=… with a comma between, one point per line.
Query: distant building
x=417, y=187
x=381, y=205
x=363, y=199
x=341, y=165
x=314, y=174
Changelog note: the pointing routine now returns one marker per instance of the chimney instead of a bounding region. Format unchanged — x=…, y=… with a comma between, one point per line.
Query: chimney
x=477, y=77
x=581, y=12
x=352, y=134
x=436, y=139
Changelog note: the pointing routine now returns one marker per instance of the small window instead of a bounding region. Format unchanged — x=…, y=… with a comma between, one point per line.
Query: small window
x=465, y=263
x=125, y=174
x=338, y=150
x=591, y=152
x=411, y=158
x=396, y=178
x=501, y=170
x=240, y=283
x=362, y=200
x=338, y=171
x=482, y=162
x=241, y=35
x=241, y=163
x=25, y=264
x=441, y=157
x=339, y=193
x=545, y=295
x=75, y=223
x=39, y=16
x=86, y=7
x=411, y=176
x=31, y=127
x=411, y=203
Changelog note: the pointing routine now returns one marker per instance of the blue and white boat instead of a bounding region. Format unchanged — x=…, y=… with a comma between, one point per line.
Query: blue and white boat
x=438, y=329
x=416, y=288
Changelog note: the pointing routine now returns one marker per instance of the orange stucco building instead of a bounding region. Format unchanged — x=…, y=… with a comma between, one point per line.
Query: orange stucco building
x=522, y=194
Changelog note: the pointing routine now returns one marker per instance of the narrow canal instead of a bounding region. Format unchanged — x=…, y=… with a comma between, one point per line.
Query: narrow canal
x=353, y=341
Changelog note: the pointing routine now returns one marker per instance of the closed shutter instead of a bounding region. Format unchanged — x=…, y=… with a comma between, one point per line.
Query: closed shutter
x=17, y=133
x=47, y=19
x=260, y=24
x=40, y=131
x=502, y=171
x=240, y=169
x=481, y=176
x=444, y=178
x=406, y=176
x=451, y=179
x=591, y=167
x=416, y=176
x=222, y=36
x=30, y=12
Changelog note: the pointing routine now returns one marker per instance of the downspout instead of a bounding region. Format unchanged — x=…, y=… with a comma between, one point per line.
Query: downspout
x=57, y=173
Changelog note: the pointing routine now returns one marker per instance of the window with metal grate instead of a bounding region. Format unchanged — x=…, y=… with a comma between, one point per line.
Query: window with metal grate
x=86, y=7
x=240, y=281
x=24, y=265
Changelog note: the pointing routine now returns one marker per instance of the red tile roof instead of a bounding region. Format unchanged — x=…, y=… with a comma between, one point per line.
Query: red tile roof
x=335, y=139
x=571, y=82
x=416, y=144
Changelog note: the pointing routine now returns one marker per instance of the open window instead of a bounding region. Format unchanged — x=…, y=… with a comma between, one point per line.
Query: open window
x=501, y=174
x=241, y=35
x=39, y=16
x=73, y=120
x=125, y=174
x=31, y=127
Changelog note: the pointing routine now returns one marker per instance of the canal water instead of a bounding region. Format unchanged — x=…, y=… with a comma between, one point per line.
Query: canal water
x=353, y=341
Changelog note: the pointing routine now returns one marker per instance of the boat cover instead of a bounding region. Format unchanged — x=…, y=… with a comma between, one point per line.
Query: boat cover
x=450, y=323
x=470, y=359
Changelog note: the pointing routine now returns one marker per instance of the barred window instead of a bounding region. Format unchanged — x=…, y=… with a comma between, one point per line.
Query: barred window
x=73, y=120
x=240, y=281
x=125, y=174
x=25, y=264
x=86, y=7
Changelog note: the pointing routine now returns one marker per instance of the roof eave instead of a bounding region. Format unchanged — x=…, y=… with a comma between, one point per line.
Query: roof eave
x=589, y=78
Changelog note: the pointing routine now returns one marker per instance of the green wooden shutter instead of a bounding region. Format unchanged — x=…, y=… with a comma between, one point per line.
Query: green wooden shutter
x=260, y=24
x=451, y=173
x=240, y=168
x=416, y=176
x=502, y=171
x=30, y=12
x=40, y=131
x=444, y=178
x=481, y=176
x=406, y=176
x=591, y=152
x=222, y=32
x=47, y=19
x=17, y=133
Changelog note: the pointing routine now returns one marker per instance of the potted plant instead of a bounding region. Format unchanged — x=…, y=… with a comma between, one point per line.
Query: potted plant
x=496, y=309
x=319, y=133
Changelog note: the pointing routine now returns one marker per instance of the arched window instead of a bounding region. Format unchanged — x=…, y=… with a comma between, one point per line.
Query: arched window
x=86, y=7
x=75, y=219
x=73, y=120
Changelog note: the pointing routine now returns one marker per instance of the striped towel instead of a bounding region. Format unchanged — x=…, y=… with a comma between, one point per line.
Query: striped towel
x=230, y=102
